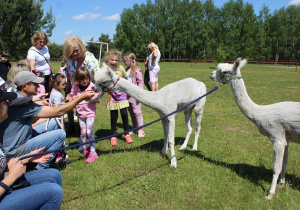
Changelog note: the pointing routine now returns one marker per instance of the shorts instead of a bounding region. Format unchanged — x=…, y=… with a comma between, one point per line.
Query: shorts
x=153, y=73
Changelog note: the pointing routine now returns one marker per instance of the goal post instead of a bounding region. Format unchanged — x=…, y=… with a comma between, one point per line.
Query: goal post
x=100, y=47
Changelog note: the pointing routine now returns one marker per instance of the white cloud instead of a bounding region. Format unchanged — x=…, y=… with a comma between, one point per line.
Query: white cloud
x=58, y=16
x=294, y=2
x=87, y=16
x=67, y=33
x=97, y=7
x=113, y=17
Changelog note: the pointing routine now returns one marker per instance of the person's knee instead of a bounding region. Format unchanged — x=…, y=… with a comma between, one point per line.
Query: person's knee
x=61, y=135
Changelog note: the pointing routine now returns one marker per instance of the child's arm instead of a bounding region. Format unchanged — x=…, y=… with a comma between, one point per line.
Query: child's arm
x=139, y=78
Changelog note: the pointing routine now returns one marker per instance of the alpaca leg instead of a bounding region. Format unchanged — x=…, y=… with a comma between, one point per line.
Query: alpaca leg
x=284, y=164
x=277, y=166
x=188, y=121
x=197, y=130
x=165, y=124
x=171, y=142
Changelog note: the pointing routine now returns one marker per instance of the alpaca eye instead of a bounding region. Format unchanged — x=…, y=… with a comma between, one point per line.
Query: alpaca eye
x=224, y=72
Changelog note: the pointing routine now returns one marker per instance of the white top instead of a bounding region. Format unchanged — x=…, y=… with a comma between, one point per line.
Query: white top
x=156, y=60
x=56, y=97
x=40, y=63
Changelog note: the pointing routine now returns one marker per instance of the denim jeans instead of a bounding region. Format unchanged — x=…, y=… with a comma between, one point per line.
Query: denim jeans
x=45, y=192
x=52, y=139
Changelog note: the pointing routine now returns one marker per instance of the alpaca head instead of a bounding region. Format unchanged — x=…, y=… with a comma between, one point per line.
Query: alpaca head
x=226, y=72
x=105, y=77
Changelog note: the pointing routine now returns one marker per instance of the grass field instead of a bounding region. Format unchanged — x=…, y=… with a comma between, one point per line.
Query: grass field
x=232, y=168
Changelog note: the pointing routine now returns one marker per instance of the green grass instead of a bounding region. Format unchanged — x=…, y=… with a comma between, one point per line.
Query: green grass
x=232, y=168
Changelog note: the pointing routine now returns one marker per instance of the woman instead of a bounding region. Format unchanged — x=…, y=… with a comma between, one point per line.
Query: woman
x=39, y=189
x=39, y=57
x=153, y=65
x=77, y=56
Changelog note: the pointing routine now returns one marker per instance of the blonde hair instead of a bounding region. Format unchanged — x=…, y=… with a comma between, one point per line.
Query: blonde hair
x=152, y=44
x=14, y=70
x=39, y=35
x=80, y=74
x=69, y=48
x=111, y=53
x=24, y=62
x=135, y=65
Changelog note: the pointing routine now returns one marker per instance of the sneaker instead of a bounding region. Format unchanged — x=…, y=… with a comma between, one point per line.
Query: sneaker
x=128, y=138
x=92, y=156
x=113, y=141
x=141, y=134
x=86, y=153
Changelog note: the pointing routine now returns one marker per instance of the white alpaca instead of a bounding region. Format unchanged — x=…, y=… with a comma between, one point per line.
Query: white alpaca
x=280, y=121
x=164, y=101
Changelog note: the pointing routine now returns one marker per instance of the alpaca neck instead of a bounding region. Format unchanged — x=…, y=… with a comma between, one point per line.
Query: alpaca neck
x=147, y=98
x=244, y=102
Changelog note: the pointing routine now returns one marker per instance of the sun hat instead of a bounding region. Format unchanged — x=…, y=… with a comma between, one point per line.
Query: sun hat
x=7, y=96
x=25, y=77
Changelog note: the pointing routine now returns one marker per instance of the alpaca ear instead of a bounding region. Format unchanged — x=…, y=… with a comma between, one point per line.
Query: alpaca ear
x=243, y=63
x=236, y=63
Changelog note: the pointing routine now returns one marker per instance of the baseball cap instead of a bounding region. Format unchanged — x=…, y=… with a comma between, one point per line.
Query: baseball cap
x=8, y=96
x=25, y=77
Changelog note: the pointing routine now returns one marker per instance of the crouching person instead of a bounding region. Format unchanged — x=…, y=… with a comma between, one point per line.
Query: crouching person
x=17, y=135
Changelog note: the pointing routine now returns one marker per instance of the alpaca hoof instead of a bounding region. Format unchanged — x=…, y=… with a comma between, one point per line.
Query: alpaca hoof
x=163, y=152
x=173, y=163
x=182, y=148
x=194, y=149
x=281, y=184
x=269, y=197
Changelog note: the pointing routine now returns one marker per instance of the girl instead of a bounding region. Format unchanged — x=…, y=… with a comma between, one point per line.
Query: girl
x=117, y=100
x=57, y=84
x=86, y=112
x=135, y=76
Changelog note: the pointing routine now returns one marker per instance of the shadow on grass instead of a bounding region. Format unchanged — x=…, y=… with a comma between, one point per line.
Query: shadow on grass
x=252, y=173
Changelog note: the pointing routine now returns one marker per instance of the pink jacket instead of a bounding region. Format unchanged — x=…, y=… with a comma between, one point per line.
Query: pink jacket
x=85, y=110
x=137, y=79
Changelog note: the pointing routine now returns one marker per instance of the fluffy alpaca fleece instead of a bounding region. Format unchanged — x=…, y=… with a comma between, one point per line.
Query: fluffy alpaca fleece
x=279, y=121
x=164, y=101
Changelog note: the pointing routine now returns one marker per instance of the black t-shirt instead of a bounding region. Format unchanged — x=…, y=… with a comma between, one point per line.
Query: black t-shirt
x=4, y=68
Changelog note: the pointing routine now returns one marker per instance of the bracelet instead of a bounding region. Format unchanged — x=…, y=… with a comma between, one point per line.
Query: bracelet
x=7, y=188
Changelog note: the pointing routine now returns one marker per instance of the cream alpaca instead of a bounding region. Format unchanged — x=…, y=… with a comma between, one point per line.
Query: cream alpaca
x=280, y=121
x=164, y=101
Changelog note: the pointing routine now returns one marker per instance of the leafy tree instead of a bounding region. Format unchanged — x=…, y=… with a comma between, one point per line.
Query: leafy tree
x=19, y=20
x=55, y=50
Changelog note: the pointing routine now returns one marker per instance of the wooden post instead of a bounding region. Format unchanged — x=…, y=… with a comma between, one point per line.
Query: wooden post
x=296, y=66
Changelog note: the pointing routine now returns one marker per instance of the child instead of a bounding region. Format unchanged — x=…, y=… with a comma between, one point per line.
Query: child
x=135, y=76
x=4, y=65
x=41, y=88
x=57, y=84
x=13, y=71
x=86, y=112
x=117, y=100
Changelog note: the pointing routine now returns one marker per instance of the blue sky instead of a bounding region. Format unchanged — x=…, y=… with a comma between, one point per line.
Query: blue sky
x=91, y=18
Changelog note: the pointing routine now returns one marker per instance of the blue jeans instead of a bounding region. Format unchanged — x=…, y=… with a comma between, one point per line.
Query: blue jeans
x=52, y=139
x=45, y=192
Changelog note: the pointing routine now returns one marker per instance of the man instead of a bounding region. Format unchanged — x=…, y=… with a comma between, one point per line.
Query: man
x=17, y=135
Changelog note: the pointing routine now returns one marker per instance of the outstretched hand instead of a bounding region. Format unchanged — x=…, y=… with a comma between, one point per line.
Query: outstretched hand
x=87, y=95
x=41, y=158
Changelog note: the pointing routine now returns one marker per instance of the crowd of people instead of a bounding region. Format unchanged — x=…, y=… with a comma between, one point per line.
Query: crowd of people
x=32, y=106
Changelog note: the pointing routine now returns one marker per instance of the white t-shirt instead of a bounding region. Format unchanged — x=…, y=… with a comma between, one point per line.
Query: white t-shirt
x=40, y=63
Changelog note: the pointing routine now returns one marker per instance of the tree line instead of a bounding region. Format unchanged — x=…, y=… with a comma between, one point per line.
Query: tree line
x=182, y=29
x=199, y=30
